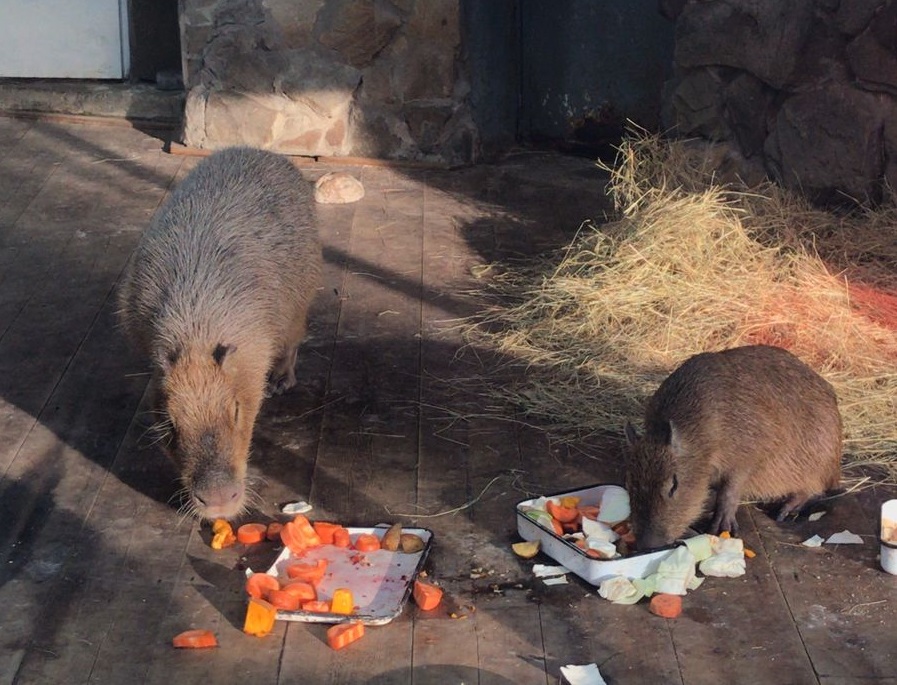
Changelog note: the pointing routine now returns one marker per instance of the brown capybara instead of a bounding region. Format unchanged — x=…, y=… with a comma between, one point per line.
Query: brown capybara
x=216, y=296
x=749, y=422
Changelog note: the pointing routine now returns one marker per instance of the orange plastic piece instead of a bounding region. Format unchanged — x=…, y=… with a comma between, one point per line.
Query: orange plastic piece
x=194, y=639
x=260, y=616
x=367, y=542
x=426, y=595
x=342, y=634
x=272, y=532
x=310, y=572
x=342, y=601
x=665, y=606
x=341, y=538
x=258, y=585
x=325, y=531
x=303, y=591
x=251, y=533
x=282, y=599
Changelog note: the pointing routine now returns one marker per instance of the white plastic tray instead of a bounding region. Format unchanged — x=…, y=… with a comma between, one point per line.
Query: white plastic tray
x=380, y=581
x=639, y=565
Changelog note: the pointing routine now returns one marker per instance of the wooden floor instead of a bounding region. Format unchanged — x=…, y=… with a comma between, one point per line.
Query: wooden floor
x=98, y=571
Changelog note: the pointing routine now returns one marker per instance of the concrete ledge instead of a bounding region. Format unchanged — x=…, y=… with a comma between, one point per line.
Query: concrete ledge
x=135, y=102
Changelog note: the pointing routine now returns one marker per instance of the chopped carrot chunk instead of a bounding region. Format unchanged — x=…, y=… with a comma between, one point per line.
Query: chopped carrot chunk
x=260, y=616
x=194, y=639
x=666, y=606
x=342, y=634
x=251, y=533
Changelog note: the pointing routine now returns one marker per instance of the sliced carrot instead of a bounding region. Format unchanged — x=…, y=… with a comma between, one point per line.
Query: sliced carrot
x=272, y=532
x=666, y=606
x=342, y=601
x=307, y=530
x=562, y=514
x=258, y=585
x=292, y=537
x=571, y=527
x=725, y=535
x=589, y=511
x=367, y=542
x=325, y=531
x=341, y=538
x=426, y=595
x=194, y=639
x=251, y=533
x=260, y=616
x=281, y=599
x=310, y=572
x=749, y=553
x=318, y=606
x=223, y=539
x=303, y=591
x=342, y=634
x=557, y=527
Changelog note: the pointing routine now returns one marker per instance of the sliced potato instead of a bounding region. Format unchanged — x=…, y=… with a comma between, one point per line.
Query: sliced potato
x=411, y=543
x=392, y=537
x=526, y=550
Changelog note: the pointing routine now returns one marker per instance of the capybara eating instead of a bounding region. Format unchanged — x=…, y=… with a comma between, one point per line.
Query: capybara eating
x=750, y=422
x=216, y=296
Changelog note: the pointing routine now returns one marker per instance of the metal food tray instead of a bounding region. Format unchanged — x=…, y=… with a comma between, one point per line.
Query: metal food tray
x=380, y=581
x=593, y=571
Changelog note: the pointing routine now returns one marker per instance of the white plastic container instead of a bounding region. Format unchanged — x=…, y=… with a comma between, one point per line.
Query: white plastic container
x=638, y=565
x=888, y=536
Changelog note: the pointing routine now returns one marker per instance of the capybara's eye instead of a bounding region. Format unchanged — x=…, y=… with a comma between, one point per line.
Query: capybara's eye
x=236, y=411
x=673, y=486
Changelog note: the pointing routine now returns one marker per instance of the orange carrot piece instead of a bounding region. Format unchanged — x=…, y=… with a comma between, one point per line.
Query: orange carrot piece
x=367, y=542
x=318, y=606
x=251, y=533
x=342, y=601
x=557, y=527
x=426, y=595
x=749, y=553
x=665, y=606
x=260, y=617
x=258, y=585
x=307, y=530
x=194, y=639
x=304, y=592
x=589, y=511
x=272, y=532
x=325, y=531
x=341, y=538
x=725, y=535
x=310, y=572
x=292, y=537
x=219, y=525
x=562, y=514
x=342, y=634
x=281, y=599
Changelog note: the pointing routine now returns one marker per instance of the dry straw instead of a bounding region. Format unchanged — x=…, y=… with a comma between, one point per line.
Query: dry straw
x=692, y=265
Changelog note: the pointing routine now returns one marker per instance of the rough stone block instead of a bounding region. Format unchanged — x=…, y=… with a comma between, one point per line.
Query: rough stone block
x=358, y=29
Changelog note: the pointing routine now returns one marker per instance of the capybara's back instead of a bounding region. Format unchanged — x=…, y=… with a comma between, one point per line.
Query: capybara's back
x=750, y=422
x=216, y=295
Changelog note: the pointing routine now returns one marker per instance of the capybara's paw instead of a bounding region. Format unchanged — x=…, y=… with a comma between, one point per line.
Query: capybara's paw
x=279, y=385
x=724, y=521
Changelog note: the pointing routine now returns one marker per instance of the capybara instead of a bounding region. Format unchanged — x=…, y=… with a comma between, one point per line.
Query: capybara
x=749, y=422
x=216, y=296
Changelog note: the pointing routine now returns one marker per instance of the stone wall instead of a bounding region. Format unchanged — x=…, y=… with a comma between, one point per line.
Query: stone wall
x=372, y=78
x=806, y=89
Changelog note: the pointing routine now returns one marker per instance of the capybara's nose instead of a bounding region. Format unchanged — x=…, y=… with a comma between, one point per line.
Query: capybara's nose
x=219, y=500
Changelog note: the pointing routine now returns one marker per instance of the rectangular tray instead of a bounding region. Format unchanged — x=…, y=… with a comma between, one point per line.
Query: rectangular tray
x=380, y=585
x=593, y=571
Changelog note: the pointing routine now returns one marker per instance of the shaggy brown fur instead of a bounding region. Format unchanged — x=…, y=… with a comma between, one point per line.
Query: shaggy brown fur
x=216, y=296
x=750, y=422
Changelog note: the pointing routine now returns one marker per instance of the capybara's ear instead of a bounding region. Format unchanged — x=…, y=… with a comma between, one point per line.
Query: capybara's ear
x=221, y=351
x=631, y=435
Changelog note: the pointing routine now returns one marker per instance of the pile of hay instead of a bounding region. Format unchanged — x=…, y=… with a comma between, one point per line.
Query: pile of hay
x=693, y=265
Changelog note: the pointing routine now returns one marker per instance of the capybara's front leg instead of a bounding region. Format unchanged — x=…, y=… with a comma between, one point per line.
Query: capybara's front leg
x=283, y=375
x=728, y=497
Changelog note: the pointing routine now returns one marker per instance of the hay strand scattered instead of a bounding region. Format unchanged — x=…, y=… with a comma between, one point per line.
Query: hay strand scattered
x=691, y=265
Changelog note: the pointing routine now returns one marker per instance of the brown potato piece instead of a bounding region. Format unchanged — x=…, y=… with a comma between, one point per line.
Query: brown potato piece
x=392, y=538
x=411, y=543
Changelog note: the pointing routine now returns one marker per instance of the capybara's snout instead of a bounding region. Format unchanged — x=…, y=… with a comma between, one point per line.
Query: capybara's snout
x=218, y=498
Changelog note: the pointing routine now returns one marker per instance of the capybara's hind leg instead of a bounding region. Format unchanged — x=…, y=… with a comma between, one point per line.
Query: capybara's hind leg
x=283, y=375
x=793, y=505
